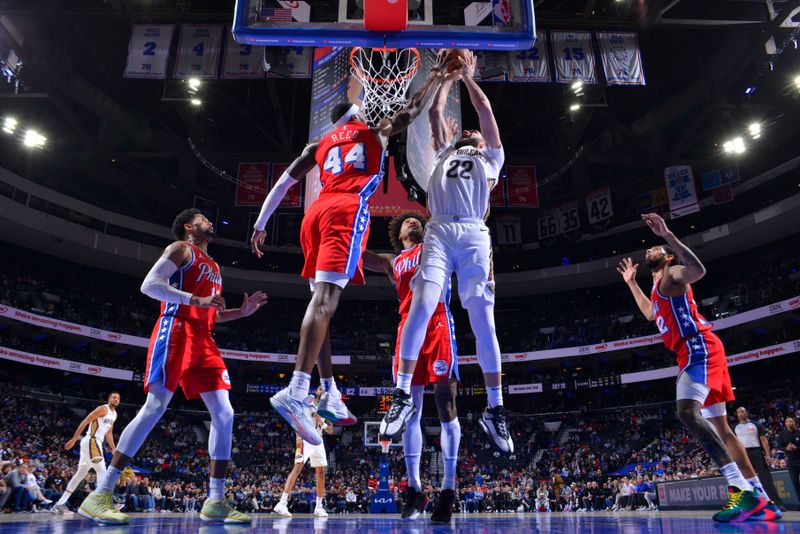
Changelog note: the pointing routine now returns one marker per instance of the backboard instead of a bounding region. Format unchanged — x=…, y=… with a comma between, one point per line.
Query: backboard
x=491, y=25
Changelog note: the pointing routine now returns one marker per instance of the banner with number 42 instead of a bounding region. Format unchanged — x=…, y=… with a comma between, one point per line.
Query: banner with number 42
x=598, y=205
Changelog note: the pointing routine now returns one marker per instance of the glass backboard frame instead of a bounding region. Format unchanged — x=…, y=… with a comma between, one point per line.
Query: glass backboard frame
x=520, y=36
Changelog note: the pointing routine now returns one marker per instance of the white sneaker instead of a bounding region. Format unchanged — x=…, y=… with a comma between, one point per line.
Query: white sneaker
x=400, y=411
x=47, y=501
x=282, y=510
x=294, y=412
x=58, y=509
x=334, y=410
x=319, y=511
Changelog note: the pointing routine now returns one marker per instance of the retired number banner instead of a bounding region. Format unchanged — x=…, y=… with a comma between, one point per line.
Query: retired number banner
x=573, y=56
x=530, y=65
x=681, y=191
x=521, y=187
x=242, y=61
x=148, y=51
x=622, y=61
x=198, y=51
x=251, y=184
x=598, y=205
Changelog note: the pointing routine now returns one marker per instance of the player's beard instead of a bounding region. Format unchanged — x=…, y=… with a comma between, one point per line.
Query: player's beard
x=654, y=264
x=415, y=235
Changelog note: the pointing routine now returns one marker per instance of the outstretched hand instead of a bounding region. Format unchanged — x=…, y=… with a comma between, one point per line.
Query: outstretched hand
x=440, y=63
x=468, y=64
x=628, y=270
x=656, y=223
x=252, y=303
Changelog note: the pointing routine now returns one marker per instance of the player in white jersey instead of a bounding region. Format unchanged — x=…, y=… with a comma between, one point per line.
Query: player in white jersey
x=99, y=425
x=306, y=451
x=457, y=241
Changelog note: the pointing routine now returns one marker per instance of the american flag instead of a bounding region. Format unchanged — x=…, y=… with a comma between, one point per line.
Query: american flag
x=276, y=14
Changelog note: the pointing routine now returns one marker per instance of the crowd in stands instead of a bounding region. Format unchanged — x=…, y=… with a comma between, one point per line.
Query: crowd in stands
x=590, y=460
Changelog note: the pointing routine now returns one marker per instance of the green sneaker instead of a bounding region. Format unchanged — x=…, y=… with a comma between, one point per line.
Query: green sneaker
x=219, y=511
x=741, y=505
x=100, y=507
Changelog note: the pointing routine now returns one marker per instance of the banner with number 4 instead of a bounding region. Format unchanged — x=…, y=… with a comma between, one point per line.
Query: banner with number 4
x=198, y=51
x=148, y=51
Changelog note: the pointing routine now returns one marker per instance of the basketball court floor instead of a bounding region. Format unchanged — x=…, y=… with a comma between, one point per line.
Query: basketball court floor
x=591, y=523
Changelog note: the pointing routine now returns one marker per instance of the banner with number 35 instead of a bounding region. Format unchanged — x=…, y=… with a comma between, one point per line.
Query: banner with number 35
x=148, y=51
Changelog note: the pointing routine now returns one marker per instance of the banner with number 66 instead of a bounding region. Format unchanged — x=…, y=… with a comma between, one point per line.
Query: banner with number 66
x=198, y=51
x=148, y=51
x=598, y=205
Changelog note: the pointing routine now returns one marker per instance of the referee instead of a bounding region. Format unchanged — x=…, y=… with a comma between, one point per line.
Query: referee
x=754, y=439
x=789, y=441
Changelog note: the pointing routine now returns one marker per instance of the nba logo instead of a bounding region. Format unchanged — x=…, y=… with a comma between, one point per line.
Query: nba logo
x=439, y=367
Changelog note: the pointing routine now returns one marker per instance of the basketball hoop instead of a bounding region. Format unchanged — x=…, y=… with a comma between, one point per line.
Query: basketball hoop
x=385, y=74
x=385, y=442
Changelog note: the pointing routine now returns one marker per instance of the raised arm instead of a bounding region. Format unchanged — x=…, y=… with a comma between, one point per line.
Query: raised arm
x=628, y=271
x=156, y=284
x=440, y=131
x=398, y=122
x=100, y=411
x=299, y=168
x=489, y=129
x=692, y=269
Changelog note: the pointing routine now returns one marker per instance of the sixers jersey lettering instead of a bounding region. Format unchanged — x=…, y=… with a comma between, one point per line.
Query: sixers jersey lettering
x=677, y=318
x=350, y=160
x=404, y=266
x=200, y=277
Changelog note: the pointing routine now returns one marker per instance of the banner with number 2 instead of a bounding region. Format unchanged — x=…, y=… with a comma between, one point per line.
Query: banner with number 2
x=198, y=51
x=148, y=51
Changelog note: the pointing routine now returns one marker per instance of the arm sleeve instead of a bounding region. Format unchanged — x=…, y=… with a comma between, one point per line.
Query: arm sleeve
x=273, y=200
x=156, y=285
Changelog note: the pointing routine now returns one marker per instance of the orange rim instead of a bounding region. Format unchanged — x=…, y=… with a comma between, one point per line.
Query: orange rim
x=361, y=74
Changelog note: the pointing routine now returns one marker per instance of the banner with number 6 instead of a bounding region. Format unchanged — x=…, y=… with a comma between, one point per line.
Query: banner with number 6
x=148, y=51
x=198, y=51
x=242, y=61
x=573, y=56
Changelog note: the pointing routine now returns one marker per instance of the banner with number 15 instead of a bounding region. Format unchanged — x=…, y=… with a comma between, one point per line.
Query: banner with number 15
x=198, y=51
x=148, y=51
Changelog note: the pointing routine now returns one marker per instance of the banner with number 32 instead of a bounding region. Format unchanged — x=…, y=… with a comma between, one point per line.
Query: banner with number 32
x=148, y=51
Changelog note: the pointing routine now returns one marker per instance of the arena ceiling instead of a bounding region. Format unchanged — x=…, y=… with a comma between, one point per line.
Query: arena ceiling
x=126, y=137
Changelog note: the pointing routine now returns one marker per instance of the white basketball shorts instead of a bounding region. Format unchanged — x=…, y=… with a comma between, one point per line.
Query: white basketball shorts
x=315, y=453
x=462, y=246
x=91, y=451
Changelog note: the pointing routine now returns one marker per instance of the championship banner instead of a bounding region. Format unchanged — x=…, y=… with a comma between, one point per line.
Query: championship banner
x=294, y=196
x=573, y=56
x=148, y=51
x=242, y=61
x=289, y=62
x=198, y=51
x=521, y=187
x=680, y=190
x=251, y=184
x=622, y=61
x=722, y=194
x=497, y=197
x=598, y=205
x=530, y=65
x=28, y=358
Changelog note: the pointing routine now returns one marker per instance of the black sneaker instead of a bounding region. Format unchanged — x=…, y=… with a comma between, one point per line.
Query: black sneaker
x=493, y=422
x=414, y=503
x=444, y=508
x=402, y=408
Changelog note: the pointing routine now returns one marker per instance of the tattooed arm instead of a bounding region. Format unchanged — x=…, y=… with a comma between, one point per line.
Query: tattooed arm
x=692, y=269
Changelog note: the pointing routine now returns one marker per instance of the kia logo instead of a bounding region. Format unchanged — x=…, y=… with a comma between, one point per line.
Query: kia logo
x=602, y=346
x=383, y=500
x=93, y=370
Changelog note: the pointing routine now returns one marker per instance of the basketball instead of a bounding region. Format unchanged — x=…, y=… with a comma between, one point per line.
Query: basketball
x=452, y=58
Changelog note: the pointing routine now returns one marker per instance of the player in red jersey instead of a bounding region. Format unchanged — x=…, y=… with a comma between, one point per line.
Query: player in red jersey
x=704, y=385
x=187, y=282
x=437, y=365
x=333, y=236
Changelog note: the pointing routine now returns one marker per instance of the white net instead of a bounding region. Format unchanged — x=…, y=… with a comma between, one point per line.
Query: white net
x=385, y=74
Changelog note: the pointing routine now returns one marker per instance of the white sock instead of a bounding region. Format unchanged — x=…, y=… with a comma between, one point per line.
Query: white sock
x=412, y=471
x=319, y=502
x=451, y=438
x=404, y=382
x=216, y=488
x=298, y=385
x=735, y=477
x=329, y=385
x=111, y=479
x=64, y=498
x=494, y=395
x=756, y=483
x=284, y=498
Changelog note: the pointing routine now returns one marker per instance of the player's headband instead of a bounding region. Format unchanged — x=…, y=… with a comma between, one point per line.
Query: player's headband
x=349, y=114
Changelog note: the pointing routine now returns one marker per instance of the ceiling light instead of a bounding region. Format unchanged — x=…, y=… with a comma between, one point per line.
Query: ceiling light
x=577, y=86
x=196, y=101
x=797, y=82
x=738, y=145
x=34, y=139
x=755, y=130
x=575, y=107
x=9, y=125
x=194, y=83
x=728, y=147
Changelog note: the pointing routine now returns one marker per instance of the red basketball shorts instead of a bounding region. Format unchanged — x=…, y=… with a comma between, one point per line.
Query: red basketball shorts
x=702, y=358
x=334, y=234
x=183, y=353
x=438, y=359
